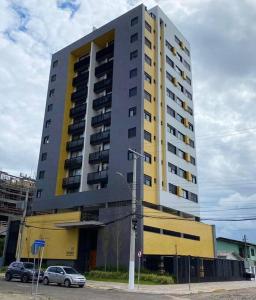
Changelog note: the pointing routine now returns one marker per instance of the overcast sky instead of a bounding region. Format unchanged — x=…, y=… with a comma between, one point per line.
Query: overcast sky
x=222, y=34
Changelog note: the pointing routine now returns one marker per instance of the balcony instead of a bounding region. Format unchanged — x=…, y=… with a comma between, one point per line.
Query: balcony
x=82, y=64
x=77, y=128
x=72, y=182
x=104, y=101
x=78, y=111
x=107, y=52
x=102, y=85
x=104, y=69
x=73, y=162
x=98, y=177
x=100, y=137
x=76, y=145
x=81, y=79
x=99, y=156
x=102, y=119
x=80, y=95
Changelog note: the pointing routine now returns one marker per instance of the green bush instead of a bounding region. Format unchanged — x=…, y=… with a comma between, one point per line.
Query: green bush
x=3, y=269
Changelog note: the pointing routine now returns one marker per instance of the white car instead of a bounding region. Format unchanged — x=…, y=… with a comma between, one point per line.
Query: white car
x=63, y=275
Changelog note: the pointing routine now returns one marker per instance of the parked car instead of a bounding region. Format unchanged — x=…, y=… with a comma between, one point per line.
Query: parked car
x=63, y=275
x=23, y=271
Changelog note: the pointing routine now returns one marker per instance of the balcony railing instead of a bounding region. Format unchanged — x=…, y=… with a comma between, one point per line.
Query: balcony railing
x=100, y=137
x=102, y=119
x=82, y=64
x=71, y=182
x=78, y=111
x=100, y=156
x=75, y=145
x=76, y=128
x=104, y=69
x=80, y=95
x=107, y=52
x=104, y=101
x=81, y=79
x=102, y=85
x=98, y=177
x=73, y=162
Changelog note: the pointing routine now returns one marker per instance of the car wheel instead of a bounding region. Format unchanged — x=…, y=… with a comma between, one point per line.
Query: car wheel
x=81, y=285
x=24, y=278
x=67, y=283
x=8, y=277
x=45, y=281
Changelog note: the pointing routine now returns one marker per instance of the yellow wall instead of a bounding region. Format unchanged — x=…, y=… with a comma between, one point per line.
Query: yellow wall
x=155, y=243
x=60, y=243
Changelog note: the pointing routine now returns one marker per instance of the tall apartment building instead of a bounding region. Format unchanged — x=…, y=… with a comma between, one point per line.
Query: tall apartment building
x=125, y=85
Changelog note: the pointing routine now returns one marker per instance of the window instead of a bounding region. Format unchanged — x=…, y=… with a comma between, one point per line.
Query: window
x=134, y=21
x=129, y=177
x=148, y=60
x=171, y=129
x=192, y=160
x=147, y=77
x=147, y=180
x=169, y=61
x=53, y=77
x=189, y=110
x=48, y=123
x=184, y=194
x=188, y=94
x=180, y=136
x=186, y=64
x=170, y=94
x=172, y=148
x=130, y=155
x=168, y=45
x=172, y=168
x=182, y=173
x=49, y=107
x=190, y=127
x=133, y=92
x=51, y=93
x=148, y=27
x=148, y=43
x=147, y=157
x=193, y=197
x=131, y=132
x=133, y=73
x=147, y=116
x=134, y=38
x=180, y=87
x=178, y=70
x=187, y=51
x=170, y=111
x=169, y=76
x=147, y=136
x=252, y=252
x=41, y=174
x=133, y=54
x=179, y=102
x=193, y=177
x=46, y=140
x=191, y=143
x=188, y=80
x=38, y=193
x=179, y=57
x=147, y=96
x=132, y=111
x=179, y=118
x=55, y=64
x=181, y=154
x=173, y=189
x=43, y=156
x=177, y=40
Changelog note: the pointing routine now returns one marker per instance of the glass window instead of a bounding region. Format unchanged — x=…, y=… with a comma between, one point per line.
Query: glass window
x=169, y=61
x=188, y=94
x=43, y=156
x=191, y=143
x=41, y=174
x=147, y=96
x=38, y=193
x=168, y=45
x=171, y=129
x=147, y=157
x=133, y=54
x=132, y=111
x=190, y=127
x=182, y=173
x=148, y=27
x=147, y=136
x=147, y=180
x=148, y=60
x=147, y=116
x=194, y=179
x=148, y=43
x=188, y=80
x=147, y=77
x=172, y=168
x=131, y=132
x=133, y=73
x=172, y=148
x=181, y=154
x=55, y=64
x=134, y=37
x=46, y=140
x=51, y=93
x=180, y=136
x=170, y=111
x=48, y=123
x=173, y=189
x=186, y=64
x=179, y=118
x=129, y=177
x=49, y=107
x=180, y=87
x=53, y=77
x=133, y=92
x=169, y=76
x=179, y=57
x=187, y=51
x=134, y=21
x=192, y=160
x=177, y=40
x=170, y=94
x=130, y=155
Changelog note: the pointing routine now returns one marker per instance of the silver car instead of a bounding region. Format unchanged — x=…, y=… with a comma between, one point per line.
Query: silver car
x=63, y=275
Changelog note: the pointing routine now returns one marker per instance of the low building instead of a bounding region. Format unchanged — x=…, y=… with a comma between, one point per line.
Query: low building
x=237, y=250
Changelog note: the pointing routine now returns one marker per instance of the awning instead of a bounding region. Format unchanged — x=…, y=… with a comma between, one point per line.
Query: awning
x=81, y=224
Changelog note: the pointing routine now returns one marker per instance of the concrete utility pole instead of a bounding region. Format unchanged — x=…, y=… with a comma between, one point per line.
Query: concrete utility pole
x=18, y=254
x=136, y=155
x=245, y=251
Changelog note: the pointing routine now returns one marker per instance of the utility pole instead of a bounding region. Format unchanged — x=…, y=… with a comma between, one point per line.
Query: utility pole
x=245, y=251
x=134, y=220
x=18, y=253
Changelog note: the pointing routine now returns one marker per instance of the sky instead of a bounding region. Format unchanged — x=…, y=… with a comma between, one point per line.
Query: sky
x=222, y=35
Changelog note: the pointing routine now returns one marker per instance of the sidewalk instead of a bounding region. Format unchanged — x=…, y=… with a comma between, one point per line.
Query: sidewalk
x=175, y=289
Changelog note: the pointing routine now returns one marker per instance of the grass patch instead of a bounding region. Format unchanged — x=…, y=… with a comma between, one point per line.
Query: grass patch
x=145, y=278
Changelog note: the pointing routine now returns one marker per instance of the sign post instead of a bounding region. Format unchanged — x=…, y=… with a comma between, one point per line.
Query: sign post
x=37, y=246
x=139, y=256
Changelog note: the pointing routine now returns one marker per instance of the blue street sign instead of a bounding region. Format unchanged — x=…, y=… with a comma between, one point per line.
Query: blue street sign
x=36, y=246
x=39, y=243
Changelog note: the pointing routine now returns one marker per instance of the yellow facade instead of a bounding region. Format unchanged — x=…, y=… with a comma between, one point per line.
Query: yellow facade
x=60, y=243
x=155, y=243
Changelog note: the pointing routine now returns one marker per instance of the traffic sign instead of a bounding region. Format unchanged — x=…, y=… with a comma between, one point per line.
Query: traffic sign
x=139, y=253
x=39, y=243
